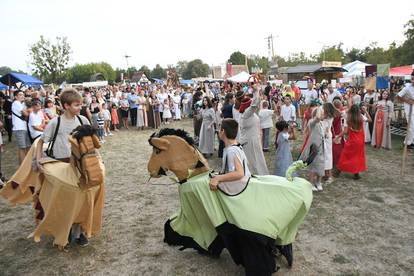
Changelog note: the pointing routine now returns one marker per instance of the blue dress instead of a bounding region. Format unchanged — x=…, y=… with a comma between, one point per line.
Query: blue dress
x=283, y=155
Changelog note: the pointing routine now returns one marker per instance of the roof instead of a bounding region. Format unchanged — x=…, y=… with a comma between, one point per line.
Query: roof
x=313, y=68
x=401, y=71
x=13, y=78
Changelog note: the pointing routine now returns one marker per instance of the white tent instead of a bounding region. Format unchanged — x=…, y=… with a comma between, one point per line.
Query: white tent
x=355, y=68
x=240, y=77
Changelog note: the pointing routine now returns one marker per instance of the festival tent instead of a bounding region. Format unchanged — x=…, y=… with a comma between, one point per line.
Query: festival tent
x=240, y=77
x=401, y=71
x=13, y=78
x=355, y=68
x=186, y=82
x=3, y=86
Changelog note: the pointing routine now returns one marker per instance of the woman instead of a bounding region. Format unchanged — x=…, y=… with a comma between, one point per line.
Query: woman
x=208, y=115
x=142, y=120
x=95, y=108
x=338, y=142
x=124, y=103
x=371, y=99
x=176, y=105
x=196, y=109
x=85, y=111
x=352, y=159
x=154, y=119
x=381, y=134
x=250, y=133
x=330, y=113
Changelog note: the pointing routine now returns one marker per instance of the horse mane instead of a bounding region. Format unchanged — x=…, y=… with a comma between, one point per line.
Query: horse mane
x=176, y=132
x=82, y=131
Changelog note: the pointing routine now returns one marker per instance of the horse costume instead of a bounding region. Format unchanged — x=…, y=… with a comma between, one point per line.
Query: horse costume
x=65, y=193
x=252, y=224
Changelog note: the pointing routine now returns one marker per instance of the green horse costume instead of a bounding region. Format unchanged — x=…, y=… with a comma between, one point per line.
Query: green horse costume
x=252, y=224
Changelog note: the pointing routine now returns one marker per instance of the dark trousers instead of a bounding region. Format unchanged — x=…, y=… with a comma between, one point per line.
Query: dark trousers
x=221, y=149
x=8, y=126
x=133, y=112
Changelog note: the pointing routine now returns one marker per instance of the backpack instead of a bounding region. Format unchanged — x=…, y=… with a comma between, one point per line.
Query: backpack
x=49, y=150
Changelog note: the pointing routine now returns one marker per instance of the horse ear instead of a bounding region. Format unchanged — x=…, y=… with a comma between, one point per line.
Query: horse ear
x=160, y=143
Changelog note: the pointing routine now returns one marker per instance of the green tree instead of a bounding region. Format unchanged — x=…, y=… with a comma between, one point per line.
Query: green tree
x=181, y=67
x=146, y=70
x=332, y=53
x=260, y=62
x=405, y=53
x=5, y=70
x=195, y=69
x=237, y=58
x=158, y=72
x=83, y=72
x=50, y=59
x=355, y=54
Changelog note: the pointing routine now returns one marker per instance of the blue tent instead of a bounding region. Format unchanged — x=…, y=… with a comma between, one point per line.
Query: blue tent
x=13, y=78
x=186, y=82
x=3, y=86
x=157, y=80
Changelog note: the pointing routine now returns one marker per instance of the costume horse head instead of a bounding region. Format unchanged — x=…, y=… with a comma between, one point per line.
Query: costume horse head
x=174, y=150
x=85, y=157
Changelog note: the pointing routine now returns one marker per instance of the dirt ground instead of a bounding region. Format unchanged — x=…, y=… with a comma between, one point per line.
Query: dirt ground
x=363, y=227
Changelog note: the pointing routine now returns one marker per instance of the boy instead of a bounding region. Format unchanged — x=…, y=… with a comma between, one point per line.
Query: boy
x=288, y=111
x=265, y=116
x=234, y=166
x=70, y=100
x=36, y=120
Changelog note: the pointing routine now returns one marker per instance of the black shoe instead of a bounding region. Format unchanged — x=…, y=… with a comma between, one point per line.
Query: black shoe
x=287, y=252
x=83, y=240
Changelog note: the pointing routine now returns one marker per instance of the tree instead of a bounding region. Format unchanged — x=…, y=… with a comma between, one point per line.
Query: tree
x=332, y=53
x=237, y=58
x=50, y=59
x=83, y=72
x=181, y=67
x=158, y=72
x=146, y=70
x=355, y=54
x=260, y=62
x=5, y=70
x=195, y=69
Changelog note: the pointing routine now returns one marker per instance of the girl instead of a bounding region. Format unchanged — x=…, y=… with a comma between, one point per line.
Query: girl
x=330, y=113
x=353, y=155
x=95, y=109
x=207, y=128
x=107, y=120
x=50, y=109
x=338, y=142
x=114, y=116
x=283, y=152
x=366, y=119
x=381, y=134
x=166, y=114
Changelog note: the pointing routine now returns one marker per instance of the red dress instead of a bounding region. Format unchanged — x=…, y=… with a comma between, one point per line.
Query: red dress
x=352, y=159
x=337, y=148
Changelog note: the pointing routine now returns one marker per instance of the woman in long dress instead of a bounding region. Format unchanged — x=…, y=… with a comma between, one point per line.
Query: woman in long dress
x=330, y=114
x=381, y=134
x=176, y=105
x=208, y=115
x=250, y=134
x=153, y=114
x=338, y=142
x=142, y=120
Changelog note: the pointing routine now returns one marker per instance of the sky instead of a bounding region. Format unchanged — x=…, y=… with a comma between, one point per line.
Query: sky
x=165, y=32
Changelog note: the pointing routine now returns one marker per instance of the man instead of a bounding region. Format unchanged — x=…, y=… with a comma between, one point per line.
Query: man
x=406, y=95
x=19, y=115
x=308, y=95
x=133, y=106
x=332, y=94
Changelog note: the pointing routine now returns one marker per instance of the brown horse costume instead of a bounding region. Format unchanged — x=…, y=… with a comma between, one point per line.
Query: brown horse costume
x=65, y=193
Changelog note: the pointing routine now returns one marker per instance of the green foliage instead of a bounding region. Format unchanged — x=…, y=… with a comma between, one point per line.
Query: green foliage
x=258, y=62
x=146, y=70
x=333, y=53
x=295, y=59
x=5, y=70
x=196, y=68
x=158, y=72
x=237, y=58
x=83, y=72
x=50, y=59
x=181, y=67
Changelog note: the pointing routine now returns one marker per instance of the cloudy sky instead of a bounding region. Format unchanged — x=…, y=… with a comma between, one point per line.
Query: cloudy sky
x=167, y=31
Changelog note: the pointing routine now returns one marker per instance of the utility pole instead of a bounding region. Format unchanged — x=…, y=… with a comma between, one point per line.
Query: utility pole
x=126, y=58
x=270, y=47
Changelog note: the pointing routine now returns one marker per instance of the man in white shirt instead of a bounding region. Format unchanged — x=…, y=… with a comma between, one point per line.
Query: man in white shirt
x=332, y=93
x=310, y=94
x=406, y=95
x=19, y=115
x=288, y=110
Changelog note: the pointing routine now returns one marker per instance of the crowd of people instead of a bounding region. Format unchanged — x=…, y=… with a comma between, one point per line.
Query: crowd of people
x=337, y=121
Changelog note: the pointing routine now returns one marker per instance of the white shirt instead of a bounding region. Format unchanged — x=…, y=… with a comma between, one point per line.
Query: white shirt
x=288, y=113
x=332, y=95
x=18, y=124
x=265, y=116
x=35, y=119
x=310, y=95
x=408, y=93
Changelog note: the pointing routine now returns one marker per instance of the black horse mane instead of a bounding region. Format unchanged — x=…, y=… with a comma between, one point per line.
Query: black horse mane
x=176, y=132
x=83, y=131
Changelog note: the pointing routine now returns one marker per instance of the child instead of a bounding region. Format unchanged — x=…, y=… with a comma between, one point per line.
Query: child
x=166, y=115
x=60, y=147
x=36, y=120
x=288, y=111
x=101, y=127
x=50, y=109
x=283, y=152
x=107, y=120
x=265, y=116
x=114, y=116
x=234, y=164
x=366, y=119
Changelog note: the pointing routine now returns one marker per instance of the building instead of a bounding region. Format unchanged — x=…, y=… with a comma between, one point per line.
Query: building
x=321, y=71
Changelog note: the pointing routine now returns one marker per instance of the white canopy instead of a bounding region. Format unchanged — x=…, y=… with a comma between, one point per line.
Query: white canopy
x=240, y=77
x=355, y=68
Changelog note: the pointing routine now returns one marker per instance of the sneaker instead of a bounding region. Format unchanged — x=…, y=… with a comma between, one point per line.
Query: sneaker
x=319, y=186
x=83, y=240
x=102, y=141
x=106, y=134
x=111, y=134
x=314, y=188
x=329, y=180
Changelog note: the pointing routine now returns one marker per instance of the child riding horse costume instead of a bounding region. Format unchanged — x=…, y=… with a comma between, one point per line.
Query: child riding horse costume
x=252, y=223
x=65, y=193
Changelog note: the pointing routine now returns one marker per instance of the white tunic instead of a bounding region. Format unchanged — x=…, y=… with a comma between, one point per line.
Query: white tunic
x=408, y=93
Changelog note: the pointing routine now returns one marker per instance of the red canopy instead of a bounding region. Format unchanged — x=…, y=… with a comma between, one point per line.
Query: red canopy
x=401, y=71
